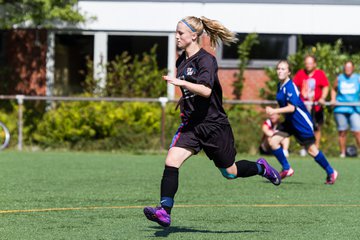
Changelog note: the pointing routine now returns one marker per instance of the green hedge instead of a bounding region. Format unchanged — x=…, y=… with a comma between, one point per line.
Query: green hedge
x=134, y=127
x=99, y=126
x=9, y=118
x=116, y=126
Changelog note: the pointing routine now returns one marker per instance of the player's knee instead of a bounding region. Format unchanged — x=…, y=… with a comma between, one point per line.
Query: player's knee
x=312, y=150
x=274, y=143
x=226, y=174
x=172, y=162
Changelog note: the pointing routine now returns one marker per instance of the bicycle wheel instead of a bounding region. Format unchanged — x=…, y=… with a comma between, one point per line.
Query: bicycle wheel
x=4, y=136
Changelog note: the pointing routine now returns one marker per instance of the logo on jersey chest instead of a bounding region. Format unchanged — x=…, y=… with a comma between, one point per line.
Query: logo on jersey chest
x=190, y=71
x=347, y=88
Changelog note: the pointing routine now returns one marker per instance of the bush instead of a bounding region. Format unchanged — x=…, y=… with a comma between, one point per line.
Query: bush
x=246, y=124
x=133, y=127
x=104, y=125
x=9, y=118
x=100, y=125
x=126, y=127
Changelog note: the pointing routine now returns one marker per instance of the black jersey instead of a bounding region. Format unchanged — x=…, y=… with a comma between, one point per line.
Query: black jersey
x=201, y=68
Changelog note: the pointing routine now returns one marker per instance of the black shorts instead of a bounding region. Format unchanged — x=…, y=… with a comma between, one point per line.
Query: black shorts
x=285, y=130
x=217, y=140
x=317, y=118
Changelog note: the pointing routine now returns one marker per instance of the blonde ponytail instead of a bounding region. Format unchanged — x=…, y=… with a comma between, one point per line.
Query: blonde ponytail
x=216, y=31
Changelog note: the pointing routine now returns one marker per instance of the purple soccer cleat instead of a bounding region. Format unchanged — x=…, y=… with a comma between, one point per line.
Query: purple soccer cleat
x=159, y=215
x=270, y=173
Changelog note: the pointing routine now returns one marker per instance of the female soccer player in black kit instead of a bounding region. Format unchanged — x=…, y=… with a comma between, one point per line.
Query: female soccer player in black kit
x=204, y=122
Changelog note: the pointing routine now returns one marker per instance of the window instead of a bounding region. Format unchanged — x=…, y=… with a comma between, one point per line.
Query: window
x=270, y=49
x=137, y=45
x=351, y=44
x=71, y=52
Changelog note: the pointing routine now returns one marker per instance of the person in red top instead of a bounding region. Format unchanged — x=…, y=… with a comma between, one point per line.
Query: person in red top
x=269, y=127
x=313, y=86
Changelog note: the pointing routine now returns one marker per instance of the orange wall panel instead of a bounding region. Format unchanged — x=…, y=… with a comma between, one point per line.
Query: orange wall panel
x=26, y=54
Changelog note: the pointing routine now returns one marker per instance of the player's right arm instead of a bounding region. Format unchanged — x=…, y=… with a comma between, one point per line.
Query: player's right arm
x=267, y=131
x=198, y=89
x=324, y=83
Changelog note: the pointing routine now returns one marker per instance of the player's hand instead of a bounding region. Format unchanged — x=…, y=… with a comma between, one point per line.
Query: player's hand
x=333, y=103
x=270, y=111
x=321, y=101
x=173, y=80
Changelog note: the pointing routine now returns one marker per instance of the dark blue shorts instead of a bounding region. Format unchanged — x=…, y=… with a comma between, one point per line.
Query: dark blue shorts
x=217, y=140
x=286, y=130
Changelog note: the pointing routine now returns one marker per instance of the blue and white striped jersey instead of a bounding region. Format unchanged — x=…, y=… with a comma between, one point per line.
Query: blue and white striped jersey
x=299, y=120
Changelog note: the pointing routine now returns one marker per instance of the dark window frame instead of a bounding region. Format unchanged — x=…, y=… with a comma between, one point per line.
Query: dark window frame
x=348, y=40
x=2, y=48
x=256, y=63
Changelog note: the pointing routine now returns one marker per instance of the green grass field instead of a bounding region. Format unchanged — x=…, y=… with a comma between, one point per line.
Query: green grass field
x=68, y=195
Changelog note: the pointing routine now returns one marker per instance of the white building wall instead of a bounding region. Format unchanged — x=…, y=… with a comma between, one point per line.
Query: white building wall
x=154, y=18
x=239, y=17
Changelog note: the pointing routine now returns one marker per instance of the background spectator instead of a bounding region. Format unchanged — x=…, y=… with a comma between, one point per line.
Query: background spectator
x=313, y=86
x=269, y=127
x=346, y=89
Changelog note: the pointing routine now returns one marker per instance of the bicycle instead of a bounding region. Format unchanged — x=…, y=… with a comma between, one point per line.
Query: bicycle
x=4, y=136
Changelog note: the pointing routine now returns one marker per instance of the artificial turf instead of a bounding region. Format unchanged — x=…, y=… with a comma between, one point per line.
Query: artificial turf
x=73, y=195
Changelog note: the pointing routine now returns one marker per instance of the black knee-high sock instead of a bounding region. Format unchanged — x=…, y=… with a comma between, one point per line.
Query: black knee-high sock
x=169, y=187
x=247, y=168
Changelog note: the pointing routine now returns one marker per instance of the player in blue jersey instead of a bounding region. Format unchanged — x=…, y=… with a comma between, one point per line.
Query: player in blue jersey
x=205, y=125
x=297, y=122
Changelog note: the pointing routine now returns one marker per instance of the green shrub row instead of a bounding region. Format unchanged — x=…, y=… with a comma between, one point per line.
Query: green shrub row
x=131, y=126
x=99, y=126
x=135, y=127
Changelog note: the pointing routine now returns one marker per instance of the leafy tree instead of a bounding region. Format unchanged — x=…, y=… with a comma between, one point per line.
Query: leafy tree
x=244, y=50
x=39, y=13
